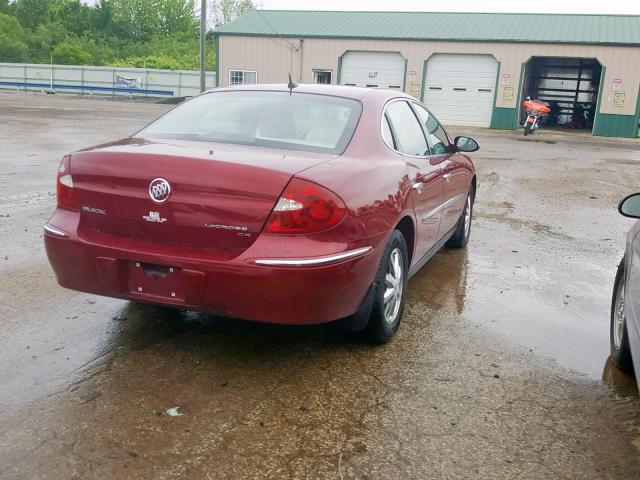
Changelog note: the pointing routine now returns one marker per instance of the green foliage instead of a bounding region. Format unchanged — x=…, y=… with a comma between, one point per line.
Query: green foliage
x=151, y=33
x=30, y=13
x=177, y=16
x=140, y=20
x=13, y=48
x=68, y=53
x=223, y=11
x=175, y=52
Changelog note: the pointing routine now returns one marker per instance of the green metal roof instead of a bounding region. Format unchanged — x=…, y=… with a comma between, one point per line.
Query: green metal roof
x=483, y=27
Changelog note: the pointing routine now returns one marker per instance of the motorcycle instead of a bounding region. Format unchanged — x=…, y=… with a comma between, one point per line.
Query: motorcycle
x=536, y=111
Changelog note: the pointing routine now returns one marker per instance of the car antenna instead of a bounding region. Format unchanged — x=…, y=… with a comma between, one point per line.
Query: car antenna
x=291, y=85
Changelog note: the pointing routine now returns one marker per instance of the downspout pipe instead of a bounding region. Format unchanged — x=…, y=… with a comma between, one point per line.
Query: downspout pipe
x=301, y=59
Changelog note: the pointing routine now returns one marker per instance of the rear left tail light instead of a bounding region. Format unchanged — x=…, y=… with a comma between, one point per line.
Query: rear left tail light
x=66, y=194
x=305, y=207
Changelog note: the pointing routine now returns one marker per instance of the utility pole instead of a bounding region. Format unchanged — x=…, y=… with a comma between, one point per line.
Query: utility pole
x=203, y=40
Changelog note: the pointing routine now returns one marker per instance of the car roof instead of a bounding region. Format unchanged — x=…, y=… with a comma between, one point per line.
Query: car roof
x=356, y=93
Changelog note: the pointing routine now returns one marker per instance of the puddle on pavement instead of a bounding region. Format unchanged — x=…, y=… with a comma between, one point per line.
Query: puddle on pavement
x=530, y=301
x=622, y=383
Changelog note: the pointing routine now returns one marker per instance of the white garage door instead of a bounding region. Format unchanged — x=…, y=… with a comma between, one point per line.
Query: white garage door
x=373, y=69
x=460, y=89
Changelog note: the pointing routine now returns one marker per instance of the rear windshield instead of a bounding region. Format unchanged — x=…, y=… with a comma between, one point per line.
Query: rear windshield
x=300, y=121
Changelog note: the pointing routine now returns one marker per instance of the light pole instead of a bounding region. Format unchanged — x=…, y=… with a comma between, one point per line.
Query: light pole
x=203, y=38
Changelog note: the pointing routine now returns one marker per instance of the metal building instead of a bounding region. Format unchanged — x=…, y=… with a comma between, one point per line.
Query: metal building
x=470, y=69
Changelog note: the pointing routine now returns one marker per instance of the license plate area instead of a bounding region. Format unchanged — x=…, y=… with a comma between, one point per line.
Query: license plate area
x=159, y=281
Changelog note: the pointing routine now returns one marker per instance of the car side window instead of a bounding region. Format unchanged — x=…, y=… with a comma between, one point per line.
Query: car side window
x=387, y=135
x=408, y=134
x=438, y=139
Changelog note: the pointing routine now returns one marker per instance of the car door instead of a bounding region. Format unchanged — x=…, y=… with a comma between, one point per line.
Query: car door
x=425, y=174
x=632, y=295
x=454, y=168
x=632, y=267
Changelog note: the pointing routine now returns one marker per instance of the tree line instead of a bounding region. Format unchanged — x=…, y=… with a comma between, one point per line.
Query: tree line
x=127, y=33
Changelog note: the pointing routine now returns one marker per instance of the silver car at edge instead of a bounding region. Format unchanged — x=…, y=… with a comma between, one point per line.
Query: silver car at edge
x=625, y=304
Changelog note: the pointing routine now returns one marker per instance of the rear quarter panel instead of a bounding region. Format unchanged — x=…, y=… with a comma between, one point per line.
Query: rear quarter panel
x=372, y=180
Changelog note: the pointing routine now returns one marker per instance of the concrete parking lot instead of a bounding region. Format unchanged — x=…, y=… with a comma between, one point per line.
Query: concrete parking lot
x=499, y=370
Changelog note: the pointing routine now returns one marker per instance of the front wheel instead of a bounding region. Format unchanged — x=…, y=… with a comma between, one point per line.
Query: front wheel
x=460, y=237
x=528, y=127
x=619, y=337
x=389, y=290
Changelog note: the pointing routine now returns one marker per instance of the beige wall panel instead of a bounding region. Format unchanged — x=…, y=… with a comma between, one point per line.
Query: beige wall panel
x=275, y=57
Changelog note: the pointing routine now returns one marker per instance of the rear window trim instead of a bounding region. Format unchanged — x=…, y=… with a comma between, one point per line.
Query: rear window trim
x=288, y=147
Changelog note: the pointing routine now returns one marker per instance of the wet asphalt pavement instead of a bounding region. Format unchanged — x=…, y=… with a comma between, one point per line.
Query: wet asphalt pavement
x=499, y=370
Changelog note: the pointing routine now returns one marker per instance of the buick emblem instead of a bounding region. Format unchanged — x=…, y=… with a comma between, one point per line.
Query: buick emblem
x=159, y=190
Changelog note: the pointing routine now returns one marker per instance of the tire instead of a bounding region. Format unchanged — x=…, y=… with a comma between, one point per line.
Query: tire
x=619, y=337
x=527, y=128
x=460, y=238
x=385, y=317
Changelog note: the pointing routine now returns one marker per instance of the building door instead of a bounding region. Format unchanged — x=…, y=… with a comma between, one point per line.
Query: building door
x=460, y=89
x=373, y=69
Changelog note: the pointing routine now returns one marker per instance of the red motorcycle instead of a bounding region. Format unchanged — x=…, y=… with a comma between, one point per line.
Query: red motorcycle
x=536, y=110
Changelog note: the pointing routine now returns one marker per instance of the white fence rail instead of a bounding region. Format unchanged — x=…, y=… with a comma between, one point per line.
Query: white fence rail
x=102, y=80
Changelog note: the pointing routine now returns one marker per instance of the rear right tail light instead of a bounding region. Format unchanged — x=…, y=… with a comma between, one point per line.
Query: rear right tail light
x=305, y=207
x=65, y=192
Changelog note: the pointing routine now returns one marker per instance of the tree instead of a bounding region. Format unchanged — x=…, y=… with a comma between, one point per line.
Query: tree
x=75, y=16
x=223, y=11
x=43, y=40
x=68, y=53
x=177, y=16
x=12, y=35
x=30, y=13
x=155, y=33
x=135, y=19
x=140, y=20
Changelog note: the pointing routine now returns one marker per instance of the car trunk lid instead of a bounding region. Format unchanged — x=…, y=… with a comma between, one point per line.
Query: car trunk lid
x=221, y=194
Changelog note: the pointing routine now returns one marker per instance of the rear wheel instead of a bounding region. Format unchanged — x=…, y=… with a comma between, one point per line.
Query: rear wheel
x=620, y=350
x=389, y=290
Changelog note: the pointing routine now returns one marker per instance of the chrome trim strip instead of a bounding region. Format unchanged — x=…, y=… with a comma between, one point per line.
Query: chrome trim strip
x=452, y=200
x=439, y=208
x=433, y=212
x=55, y=231
x=312, y=262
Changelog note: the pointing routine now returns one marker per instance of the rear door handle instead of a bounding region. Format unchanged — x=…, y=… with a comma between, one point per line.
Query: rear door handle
x=417, y=185
x=447, y=176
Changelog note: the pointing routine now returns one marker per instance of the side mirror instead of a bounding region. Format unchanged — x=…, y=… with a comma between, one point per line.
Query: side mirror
x=630, y=206
x=466, y=144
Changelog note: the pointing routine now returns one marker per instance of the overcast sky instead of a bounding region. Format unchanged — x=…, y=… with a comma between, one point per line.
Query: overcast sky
x=539, y=6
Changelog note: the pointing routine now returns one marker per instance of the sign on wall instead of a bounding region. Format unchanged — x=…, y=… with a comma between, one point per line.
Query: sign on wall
x=618, y=99
x=617, y=85
x=507, y=93
x=506, y=79
x=412, y=76
x=414, y=90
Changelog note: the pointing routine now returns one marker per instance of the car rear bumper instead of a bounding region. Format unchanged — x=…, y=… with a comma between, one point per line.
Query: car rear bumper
x=255, y=285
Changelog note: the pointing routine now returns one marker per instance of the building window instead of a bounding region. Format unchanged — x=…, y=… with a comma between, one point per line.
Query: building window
x=322, y=76
x=243, y=77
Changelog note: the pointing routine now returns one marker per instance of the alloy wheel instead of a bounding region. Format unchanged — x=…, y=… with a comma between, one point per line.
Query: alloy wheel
x=467, y=217
x=618, y=318
x=393, y=286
